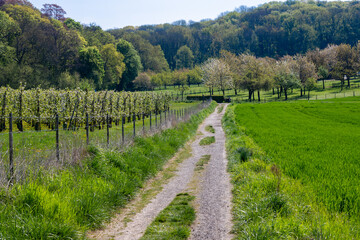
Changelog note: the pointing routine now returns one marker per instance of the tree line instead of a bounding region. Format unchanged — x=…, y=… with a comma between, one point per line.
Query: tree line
x=44, y=48
x=247, y=72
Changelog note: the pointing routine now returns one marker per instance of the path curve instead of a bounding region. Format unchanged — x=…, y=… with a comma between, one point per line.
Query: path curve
x=213, y=193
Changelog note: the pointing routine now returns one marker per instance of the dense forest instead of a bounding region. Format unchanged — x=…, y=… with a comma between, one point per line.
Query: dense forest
x=43, y=47
x=273, y=30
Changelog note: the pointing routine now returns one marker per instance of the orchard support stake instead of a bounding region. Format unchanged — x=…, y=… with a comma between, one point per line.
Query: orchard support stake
x=57, y=138
x=11, y=150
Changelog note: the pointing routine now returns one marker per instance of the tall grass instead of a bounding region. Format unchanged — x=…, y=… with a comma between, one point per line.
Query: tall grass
x=66, y=203
x=295, y=170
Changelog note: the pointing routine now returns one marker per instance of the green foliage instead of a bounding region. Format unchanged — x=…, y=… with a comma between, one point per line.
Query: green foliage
x=174, y=221
x=273, y=29
x=37, y=49
x=207, y=141
x=184, y=58
x=72, y=24
x=92, y=65
x=132, y=63
x=67, y=203
x=113, y=66
x=268, y=204
x=95, y=36
x=7, y=33
x=152, y=57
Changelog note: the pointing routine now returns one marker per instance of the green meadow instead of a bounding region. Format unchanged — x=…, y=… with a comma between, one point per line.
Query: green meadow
x=315, y=142
x=295, y=169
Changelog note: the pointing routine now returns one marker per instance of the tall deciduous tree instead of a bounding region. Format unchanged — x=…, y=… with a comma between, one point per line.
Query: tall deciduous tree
x=216, y=73
x=142, y=82
x=323, y=74
x=234, y=64
x=132, y=62
x=114, y=66
x=347, y=63
x=184, y=58
x=8, y=31
x=92, y=65
x=286, y=76
x=306, y=72
x=254, y=74
x=53, y=11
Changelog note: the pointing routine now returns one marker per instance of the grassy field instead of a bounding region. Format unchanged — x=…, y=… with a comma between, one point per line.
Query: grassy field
x=65, y=203
x=294, y=170
x=312, y=143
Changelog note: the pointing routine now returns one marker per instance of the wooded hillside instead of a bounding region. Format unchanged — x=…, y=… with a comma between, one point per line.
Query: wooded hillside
x=44, y=48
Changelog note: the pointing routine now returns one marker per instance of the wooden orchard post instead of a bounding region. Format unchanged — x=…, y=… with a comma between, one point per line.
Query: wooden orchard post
x=11, y=150
x=87, y=129
x=134, y=118
x=107, y=130
x=57, y=138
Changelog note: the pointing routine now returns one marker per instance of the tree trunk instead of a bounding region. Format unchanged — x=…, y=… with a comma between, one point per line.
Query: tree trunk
x=278, y=93
x=301, y=92
x=250, y=93
x=259, y=95
x=323, y=83
x=223, y=92
x=285, y=92
x=348, y=82
x=308, y=94
x=253, y=95
x=235, y=92
x=273, y=91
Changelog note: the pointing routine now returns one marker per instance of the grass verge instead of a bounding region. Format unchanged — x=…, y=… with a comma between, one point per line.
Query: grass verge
x=267, y=204
x=174, y=221
x=210, y=129
x=203, y=161
x=207, y=141
x=65, y=204
x=220, y=109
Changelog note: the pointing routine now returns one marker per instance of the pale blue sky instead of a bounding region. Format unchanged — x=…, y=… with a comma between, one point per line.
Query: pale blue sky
x=115, y=14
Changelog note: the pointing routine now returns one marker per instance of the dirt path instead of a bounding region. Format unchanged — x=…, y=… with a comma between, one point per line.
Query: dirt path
x=213, y=200
x=212, y=189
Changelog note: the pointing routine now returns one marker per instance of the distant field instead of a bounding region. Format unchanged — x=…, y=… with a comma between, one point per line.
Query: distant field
x=315, y=142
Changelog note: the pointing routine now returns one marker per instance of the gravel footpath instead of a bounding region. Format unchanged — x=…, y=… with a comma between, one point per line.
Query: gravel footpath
x=213, y=214
x=213, y=192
